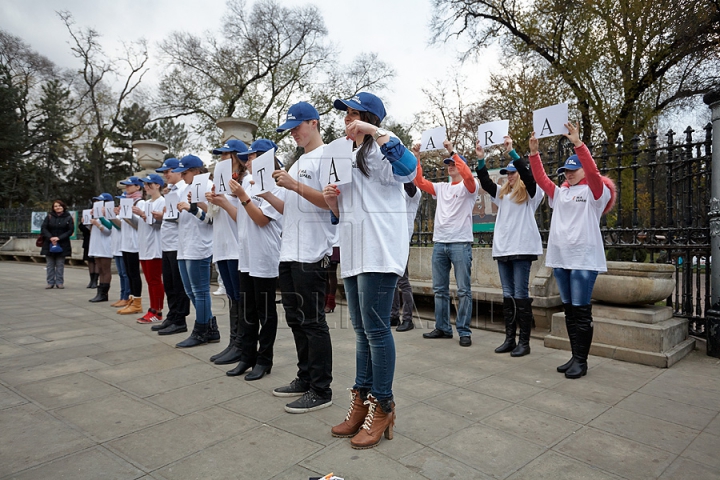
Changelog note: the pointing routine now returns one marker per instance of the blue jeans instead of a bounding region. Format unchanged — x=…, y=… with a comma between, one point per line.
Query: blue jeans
x=515, y=277
x=575, y=286
x=459, y=255
x=196, y=280
x=124, y=279
x=369, y=298
x=55, y=272
x=228, y=270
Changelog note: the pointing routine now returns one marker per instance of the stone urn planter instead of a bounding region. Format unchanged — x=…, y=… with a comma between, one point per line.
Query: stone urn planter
x=237, y=128
x=634, y=283
x=150, y=154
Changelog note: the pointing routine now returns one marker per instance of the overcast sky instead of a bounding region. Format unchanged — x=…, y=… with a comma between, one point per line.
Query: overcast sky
x=398, y=30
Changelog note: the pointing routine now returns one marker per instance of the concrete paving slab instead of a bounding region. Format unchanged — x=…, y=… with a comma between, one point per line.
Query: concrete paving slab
x=493, y=452
x=505, y=389
x=86, y=465
x=43, y=372
x=168, y=442
x=565, y=406
x=648, y=430
x=167, y=380
x=704, y=449
x=29, y=437
x=470, y=405
x=552, y=465
x=272, y=451
x=201, y=395
x=538, y=427
x=425, y=424
x=8, y=398
x=432, y=464
x=693, y=417
x=615, y=454
x=683, y=469
x=113, y=416
x=65, y=391
x=590, y=390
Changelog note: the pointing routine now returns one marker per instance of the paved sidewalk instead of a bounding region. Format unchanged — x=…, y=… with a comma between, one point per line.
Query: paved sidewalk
x=88, y=394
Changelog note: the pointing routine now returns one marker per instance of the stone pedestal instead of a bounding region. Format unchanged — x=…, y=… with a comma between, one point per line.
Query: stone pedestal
x=237, y=128
x=648, y=335
x=634, y=283
x=150, y=154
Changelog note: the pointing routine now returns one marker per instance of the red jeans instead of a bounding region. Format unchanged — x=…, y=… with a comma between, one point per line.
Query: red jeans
x=152, y=269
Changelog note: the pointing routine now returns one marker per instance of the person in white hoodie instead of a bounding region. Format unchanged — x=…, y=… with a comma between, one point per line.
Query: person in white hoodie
x=516, y=243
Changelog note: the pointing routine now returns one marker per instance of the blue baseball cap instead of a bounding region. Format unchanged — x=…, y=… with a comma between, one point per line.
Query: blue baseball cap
x=365, y=102
x=448, y=161
x=122, y=195
x=169, y=164
x=106, y=197
x=132, y=181
x=262, y=145
x=187, y=162
x=572, y=163
x=510, y=168
x=236, y=146
x=298, y=113
x=154, y=178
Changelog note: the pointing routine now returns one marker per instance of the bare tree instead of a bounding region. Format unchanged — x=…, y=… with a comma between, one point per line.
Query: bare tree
x=625, y=61
x=102, y=105
x=269, y=57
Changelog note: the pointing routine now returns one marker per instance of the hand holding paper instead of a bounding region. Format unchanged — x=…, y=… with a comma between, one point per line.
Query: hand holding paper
x=551, y=121
x=492, y=133
x=336, y=162
x=262, y=170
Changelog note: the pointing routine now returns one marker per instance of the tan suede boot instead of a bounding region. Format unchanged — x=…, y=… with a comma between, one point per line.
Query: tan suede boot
x=120, y=303
x=134, y=306
x=377, y=422
x=354, y=419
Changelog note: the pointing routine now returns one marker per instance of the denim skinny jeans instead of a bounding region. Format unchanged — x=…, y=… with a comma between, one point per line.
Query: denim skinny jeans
x=370, y=297
x=575, y=286
x=124, y=279
x=515, y=277
x=459, y=256
x=196, y=280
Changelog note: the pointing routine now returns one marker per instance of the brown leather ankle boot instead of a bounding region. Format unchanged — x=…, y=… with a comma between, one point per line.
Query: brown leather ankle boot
x=355, y=416
x=120, y=303
x=135, y=306
x=377, y=422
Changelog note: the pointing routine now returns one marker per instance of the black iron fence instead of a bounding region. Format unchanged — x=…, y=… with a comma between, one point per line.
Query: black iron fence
x=661, y=213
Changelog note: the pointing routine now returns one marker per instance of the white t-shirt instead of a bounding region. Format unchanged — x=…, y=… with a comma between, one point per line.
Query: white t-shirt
x=149, y=235
x=308, y=234
x=575, y=242
x=261, y=251
x=516, y=231
x=411, y=207
x=195, y=237
x=129, y=242
x=453, y=212
x=373, y=213
x=225, y=232
x=116, y=237
x=169, y=228
x=100, y=242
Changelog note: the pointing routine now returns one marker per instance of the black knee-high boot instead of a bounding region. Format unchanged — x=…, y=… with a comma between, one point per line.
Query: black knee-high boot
x=584, y=336
x=510, y=315
x=571, y=327
x=524, y=320
x=231, y=354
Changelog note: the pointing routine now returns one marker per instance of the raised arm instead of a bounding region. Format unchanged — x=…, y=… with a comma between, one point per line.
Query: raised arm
x=482, y=172
x=538, y=171
x=421, y=182
x=592, y=174
x=462, y=168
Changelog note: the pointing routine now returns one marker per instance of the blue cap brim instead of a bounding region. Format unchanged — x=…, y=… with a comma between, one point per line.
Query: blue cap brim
x=180, y=169
x=344, y=104
x=163, y=169
x=289, y=125
x=562, y=169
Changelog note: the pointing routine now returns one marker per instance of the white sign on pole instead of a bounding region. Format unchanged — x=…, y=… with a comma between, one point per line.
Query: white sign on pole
x=87, y=216
x=110, y=210
x=97, y=209
x=550, y=121
x=336, y=162
x=492, y=133
x=433, y=139
x=223, y=174
x=126, y=205
x=199, y=187
x=171, y=201
x=262, y=169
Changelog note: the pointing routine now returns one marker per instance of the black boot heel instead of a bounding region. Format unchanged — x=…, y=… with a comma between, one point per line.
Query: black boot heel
x=258, y=372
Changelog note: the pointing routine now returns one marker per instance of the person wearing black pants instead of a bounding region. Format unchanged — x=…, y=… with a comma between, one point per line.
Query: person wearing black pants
x=177, y=299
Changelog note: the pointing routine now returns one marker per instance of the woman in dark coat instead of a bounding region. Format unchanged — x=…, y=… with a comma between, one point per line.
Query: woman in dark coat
x=57, y=228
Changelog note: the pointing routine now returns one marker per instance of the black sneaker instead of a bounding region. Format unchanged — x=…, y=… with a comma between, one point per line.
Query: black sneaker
x=437, y=334
x=307, y=403
x=296, y=388
x=465, y=341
